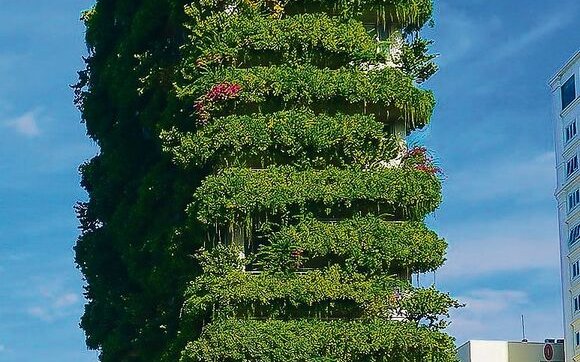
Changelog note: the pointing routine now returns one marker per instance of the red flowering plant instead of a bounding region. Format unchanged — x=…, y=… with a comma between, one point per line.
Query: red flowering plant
x=418, y=158
x=218, y=93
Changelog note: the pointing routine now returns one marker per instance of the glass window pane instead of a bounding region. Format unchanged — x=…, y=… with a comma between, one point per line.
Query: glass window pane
x=568, y=92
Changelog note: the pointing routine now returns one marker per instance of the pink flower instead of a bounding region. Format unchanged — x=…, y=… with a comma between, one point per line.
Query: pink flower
x=223, y=91
x=219, y=92
x=417, y=151
x=428, y=168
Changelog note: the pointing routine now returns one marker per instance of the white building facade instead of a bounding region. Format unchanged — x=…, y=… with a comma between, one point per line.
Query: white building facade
x=502, y=351
x=566, y=113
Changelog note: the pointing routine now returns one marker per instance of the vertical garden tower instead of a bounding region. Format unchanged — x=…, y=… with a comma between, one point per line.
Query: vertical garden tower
x=299, y=217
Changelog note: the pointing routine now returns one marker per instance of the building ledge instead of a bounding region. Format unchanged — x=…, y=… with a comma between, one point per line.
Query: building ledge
x=566, y=111
x=568, y=184
x=563, y=70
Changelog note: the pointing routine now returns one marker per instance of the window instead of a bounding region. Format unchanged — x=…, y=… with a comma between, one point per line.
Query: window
x=576, y=304
x=568, y=92
x=571, y=165
x=573, y=200
x=577, y=339
x=574, y=234
x=575, y=269
x=570, y=131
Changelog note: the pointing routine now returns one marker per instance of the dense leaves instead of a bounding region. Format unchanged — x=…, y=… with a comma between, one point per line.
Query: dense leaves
x=366, y=243
x=385, y=88
x=236, y=192
x=310, y=340
x=241, y=39
x=135, y=261
x=416, y=61
x=410, y=15
x=277, y=128
x=322, y=293
x=299, y=136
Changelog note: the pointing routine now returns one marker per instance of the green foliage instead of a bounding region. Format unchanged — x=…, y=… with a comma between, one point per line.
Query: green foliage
x=239, y=290
x=298, y=135
x=306, y=85
x=306, y=38
x=428, y=305
x=321, y=341
x=176, y=95
x=135, y=262
x=365, y=243
x=236, y=192
x=416, y=61
x=221, y=259
x=410, y=15
x=322, y=293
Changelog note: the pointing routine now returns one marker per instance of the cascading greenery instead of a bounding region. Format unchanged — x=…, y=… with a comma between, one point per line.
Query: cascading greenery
x=253, y=199
x=305, y=137
x=318, y=341
x=312, y=209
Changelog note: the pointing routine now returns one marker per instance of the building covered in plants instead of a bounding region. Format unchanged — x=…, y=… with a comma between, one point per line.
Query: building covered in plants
x=254, y=198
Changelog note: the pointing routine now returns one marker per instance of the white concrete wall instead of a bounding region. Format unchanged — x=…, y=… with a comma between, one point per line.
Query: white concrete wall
x=484, y=351
x=533, y=352
x=501, y=351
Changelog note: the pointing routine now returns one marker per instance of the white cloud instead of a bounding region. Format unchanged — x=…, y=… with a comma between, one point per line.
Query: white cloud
x=53, y=305
x=25, y=125
x=547, y=25
x=493, y=301
x=496, y=314
x=66, y=300
x=513, y=238
x=508, y=244
x=461, y=34
x=482, y=312
x=40, y=312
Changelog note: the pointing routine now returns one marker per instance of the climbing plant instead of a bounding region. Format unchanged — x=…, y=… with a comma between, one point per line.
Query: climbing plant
x=253, y=198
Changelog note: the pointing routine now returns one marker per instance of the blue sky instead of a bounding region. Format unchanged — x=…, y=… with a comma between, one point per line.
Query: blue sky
x=492, y=134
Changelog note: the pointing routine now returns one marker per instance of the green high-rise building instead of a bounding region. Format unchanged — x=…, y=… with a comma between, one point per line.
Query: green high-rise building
x=272, y=210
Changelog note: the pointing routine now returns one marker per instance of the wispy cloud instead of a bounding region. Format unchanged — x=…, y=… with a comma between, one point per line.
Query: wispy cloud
x=548, y=24
x=25, y=125
x=492, y=301
x=483, y=310
x=461, y=32
x=496, y=314
x=53, y=305
x=491, y=39
x=509, y=176
x=506, y=244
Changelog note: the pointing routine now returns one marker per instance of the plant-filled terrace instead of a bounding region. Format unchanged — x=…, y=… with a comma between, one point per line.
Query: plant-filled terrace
x=254, y=198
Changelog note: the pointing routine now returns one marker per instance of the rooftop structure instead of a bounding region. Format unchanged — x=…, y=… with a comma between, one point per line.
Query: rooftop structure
x=502, y=351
